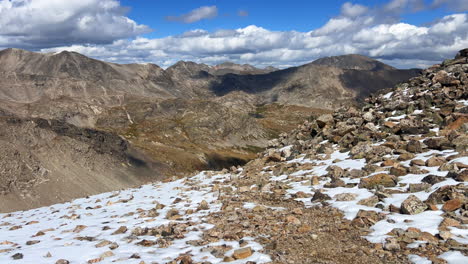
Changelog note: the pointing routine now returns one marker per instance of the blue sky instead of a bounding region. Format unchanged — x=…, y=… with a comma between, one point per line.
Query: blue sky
x=402, y=33
x=299, y=15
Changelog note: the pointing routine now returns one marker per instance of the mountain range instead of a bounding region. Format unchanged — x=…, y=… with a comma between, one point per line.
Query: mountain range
x=80, y=126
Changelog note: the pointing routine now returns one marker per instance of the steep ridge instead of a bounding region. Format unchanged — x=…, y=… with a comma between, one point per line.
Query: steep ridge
x=314, y=85
x=393, y=174
x=28, y=77
x=49, y=161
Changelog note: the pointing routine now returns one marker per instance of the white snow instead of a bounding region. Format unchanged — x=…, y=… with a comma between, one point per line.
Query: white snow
x=419, y=260
x=387, y=95
x=454, y=257
x=427, y=221
x=110, y=209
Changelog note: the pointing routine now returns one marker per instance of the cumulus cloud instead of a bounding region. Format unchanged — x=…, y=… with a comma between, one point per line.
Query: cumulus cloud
x=204, y=12
x=46, y=23
x=399, y=6
x=456, y=5
x=400, y=44
x=373, y=31
x=353, y=10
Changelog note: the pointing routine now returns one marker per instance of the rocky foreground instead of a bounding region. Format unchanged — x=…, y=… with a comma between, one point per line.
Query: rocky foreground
x=384, y=184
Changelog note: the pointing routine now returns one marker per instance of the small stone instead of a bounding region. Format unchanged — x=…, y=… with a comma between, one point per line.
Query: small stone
x=419, y=187
x=435, y=161
x=147, y=243
x=451, y=205
x=106, y=254
x=203, y=206
x=406, y=156
x=325, y=119
x=414, y=146
x=345, y=197
x=315, y=180
x=448, y=222
x=418, y=162
x=228, y=259
x=17, y=256
x=304, y=229
x=433, y=179
x=103, y=243
x=445, y=234
x=392, y=244
x=113, y=246
x=297, y=211
x=79, y=228
x=32, y=242
x=242, y=253
x=398, y=170
x=371, y=201
x=62, y=261
x=390, y=124
x=121, y=230
x=319, y=197
x=412, y=205
x=184, y=260
x=387, y=163
x=462, y=176
x=172, y=213
x=293, y=220
x=368, y=116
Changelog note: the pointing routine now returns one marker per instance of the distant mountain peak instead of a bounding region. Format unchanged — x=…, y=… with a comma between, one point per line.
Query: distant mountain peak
x=353, y=62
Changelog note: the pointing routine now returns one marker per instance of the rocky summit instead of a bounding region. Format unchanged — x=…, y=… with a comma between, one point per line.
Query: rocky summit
x=383, y=183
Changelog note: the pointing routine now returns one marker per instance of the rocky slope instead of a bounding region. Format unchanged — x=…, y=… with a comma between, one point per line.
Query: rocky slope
x=386, y=183
x=48, y=161
x=313, y=85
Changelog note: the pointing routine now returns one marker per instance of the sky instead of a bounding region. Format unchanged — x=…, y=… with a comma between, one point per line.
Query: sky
x=402, y=33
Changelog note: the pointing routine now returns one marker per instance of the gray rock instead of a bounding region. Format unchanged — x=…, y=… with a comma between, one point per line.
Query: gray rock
x=412, y=205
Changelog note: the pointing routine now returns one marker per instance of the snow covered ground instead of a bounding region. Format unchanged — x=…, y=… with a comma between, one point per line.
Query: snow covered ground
x=427, y=221
x=86, y=230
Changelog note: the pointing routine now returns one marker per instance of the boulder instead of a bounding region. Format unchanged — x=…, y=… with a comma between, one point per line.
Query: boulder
x=381, y=179
x=412, y=205
x=242, y=253
x=324, y=120
x=414, y=146
x=435, y=161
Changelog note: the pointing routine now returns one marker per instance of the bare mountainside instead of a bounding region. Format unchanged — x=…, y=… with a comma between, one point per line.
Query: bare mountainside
x=185, y=118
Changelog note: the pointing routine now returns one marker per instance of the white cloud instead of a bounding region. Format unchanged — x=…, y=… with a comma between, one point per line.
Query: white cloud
x=400, y=6
x=43, y=23
x=371, y=31
x=353, y=10
x=400, y=44
x=457, y=5
x=204, y=12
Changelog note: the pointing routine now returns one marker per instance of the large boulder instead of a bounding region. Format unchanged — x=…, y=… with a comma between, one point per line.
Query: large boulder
x=381, y=179
x=412, y=205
